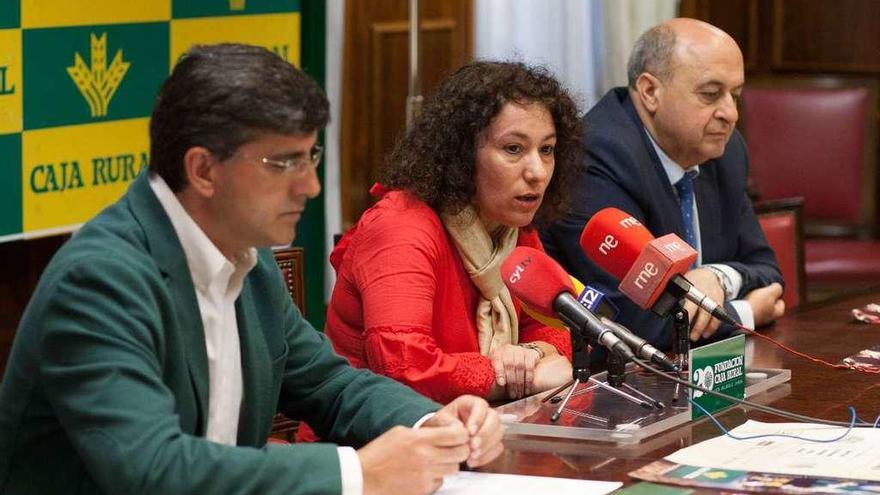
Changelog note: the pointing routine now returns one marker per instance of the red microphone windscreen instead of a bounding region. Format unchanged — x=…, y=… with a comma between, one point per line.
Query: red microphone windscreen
x=535, y=278
x=613, y=239
x=662, y=259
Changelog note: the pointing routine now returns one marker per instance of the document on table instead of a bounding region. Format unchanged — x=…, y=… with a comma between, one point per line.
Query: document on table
x=468, y=482
x=854, y=456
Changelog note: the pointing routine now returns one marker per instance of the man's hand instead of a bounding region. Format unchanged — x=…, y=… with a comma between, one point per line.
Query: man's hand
x=413, y=462
x=703, y=324
x=767, y=304
x=514, y=369
x=481, y=422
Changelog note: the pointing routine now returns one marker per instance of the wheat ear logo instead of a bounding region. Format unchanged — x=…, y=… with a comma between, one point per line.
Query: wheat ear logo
x=236, y=4
x=98, y=82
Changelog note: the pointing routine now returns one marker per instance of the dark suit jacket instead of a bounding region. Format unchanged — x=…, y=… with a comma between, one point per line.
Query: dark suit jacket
x=106, y=390
x=625, y=172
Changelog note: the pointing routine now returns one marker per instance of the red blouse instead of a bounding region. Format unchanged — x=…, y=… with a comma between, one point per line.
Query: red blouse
x=404, y=306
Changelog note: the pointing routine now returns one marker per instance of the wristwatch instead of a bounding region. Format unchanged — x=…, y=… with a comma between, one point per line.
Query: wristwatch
x=723, y=280
x=534, y=346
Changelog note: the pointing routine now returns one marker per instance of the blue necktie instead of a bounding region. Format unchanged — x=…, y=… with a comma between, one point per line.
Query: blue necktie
x=685, y=189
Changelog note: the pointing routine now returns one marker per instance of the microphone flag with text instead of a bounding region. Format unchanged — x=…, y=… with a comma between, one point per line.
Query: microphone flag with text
x=649, y=269
x=540, y=283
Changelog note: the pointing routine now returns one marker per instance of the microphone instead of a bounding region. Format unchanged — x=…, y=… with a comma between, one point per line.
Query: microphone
x=607, y=312
x=595, y=301
x=650, y=270
x=639, y=345
x=538, y=281
x=590, y=297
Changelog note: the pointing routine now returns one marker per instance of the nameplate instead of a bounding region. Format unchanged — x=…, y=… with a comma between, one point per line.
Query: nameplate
x=719, y=367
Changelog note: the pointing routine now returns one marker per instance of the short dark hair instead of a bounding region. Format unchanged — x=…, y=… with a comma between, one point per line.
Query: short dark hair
x=222, y=96
x=652, y=52
x=435, y=160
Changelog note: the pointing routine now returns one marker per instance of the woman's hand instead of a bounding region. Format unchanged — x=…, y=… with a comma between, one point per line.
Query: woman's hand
x=515, y=369
x=551, y=372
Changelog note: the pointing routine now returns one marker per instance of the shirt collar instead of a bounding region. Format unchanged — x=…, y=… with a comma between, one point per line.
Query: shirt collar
x=207, y=265
x=674, y=171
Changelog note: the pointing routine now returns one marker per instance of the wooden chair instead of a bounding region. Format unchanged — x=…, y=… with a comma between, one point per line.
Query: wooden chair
x=782, y=222
x=816, y=138
x=291, y=261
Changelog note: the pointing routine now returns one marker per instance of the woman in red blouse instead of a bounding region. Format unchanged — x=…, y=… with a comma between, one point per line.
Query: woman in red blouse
x=419, y=295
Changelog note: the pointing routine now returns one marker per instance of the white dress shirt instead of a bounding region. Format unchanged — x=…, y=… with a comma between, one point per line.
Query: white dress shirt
x=218, y=283
x=674, y=172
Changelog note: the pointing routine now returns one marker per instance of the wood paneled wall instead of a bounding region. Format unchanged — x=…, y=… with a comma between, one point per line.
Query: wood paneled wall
x=800, y=38
x=375, y=81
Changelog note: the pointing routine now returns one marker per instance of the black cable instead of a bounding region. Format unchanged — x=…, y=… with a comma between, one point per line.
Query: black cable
x=766, y=409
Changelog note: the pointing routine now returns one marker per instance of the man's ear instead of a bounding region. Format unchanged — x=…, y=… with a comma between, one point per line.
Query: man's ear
x=198, y=166
x=649, y=90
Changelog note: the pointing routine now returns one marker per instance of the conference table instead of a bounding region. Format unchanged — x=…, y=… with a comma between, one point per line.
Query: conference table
x=825, y=330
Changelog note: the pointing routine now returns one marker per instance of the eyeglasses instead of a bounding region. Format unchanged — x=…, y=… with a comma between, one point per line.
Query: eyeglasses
x=297, y=166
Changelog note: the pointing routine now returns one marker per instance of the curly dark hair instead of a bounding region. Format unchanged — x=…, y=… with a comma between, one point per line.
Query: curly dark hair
x=435, y=160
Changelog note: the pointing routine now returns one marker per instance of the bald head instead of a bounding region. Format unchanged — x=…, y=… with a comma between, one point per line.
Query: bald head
x=685, y=79
x=681, y=41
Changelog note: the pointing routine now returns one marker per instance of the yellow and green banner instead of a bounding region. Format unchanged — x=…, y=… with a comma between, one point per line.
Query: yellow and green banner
x=77, y=84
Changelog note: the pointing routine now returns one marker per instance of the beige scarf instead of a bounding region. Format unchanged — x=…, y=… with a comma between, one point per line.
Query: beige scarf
x=496, y=316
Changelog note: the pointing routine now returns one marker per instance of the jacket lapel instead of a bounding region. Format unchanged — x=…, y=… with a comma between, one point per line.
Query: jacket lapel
x=666, y=205
x=256, y=371
x=164, y=247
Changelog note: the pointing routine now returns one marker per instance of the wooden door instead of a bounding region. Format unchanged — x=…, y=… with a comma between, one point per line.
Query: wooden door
x=375, y=81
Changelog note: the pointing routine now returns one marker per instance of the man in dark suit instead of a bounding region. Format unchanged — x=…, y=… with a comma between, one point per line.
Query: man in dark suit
x=665, y=150
x=160, y=342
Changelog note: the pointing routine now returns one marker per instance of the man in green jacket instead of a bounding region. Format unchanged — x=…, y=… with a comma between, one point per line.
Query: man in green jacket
x=160, y=341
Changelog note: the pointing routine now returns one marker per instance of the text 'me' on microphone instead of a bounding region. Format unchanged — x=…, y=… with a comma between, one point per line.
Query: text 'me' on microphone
x=650, y=269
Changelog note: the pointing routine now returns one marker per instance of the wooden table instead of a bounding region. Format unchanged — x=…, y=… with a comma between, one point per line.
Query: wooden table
x=827, y=331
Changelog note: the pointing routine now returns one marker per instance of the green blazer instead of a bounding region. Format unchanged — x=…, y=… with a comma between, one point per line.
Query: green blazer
x=106, y=389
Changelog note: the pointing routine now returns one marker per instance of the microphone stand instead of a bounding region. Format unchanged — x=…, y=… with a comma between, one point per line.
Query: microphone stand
x=616, y=378
x=580, y=368
x=681, y=343
x=580, y=373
